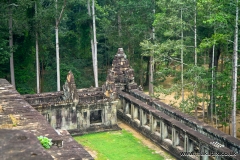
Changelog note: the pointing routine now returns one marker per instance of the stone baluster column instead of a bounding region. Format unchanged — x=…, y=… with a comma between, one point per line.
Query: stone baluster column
x=104, y=115
x=132, y=111
x=88, y=118
x=204, y=152
x=175, y=137
x=141, y=115
x=78, y=120
x=153, y=123
x=163, y=130
x=185, y=149
x=127, y=108
x=188, y=145
x=135, y=112
x=144, y=117
x=123, y=104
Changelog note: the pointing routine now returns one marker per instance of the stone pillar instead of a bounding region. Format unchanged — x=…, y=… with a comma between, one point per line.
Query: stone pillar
x=88, y=118
x=175, y=137
x=144, y=118
x=78, y=120
x=204, y=151
x=141, y=115
x=188, y=145
x=113, y=105
x=123, y=101
x=217, y=157
x=127, y=108
x=132, y=111
x=135, y=112
x=104, y=115
x=153, y=123
x=163, y=130
x=53, y=120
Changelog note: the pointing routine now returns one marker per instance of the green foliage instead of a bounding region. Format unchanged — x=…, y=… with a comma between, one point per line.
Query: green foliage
x=126, y=146
x=45, y=142
x=4, y=52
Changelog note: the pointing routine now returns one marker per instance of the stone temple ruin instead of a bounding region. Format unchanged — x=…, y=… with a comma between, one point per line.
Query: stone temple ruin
x=87, y=110
x=73, y=111
x=79, y=111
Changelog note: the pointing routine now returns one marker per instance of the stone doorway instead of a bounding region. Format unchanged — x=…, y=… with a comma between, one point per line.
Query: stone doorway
x=96, y=117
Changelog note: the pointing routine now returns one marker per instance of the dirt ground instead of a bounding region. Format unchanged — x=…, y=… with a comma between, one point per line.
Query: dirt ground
x=169, y=99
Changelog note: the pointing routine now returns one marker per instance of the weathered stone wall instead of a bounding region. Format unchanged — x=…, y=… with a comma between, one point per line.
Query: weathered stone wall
x=77, y=118
x=210, y=132
x=73, y=109
x=169, y=133
x=22, y=124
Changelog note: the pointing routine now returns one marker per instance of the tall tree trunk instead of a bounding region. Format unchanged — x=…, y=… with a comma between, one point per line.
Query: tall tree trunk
x=151, y=64
x=57, y=53
x=151, y=76
x=213, y=66
x=57, y=59
x=235, y=65
x=57, y=44
x=182, y=84
x=195, y=55
x=37, y=59
x=37, y=65
x=203, y=106
x=11, y=46
x=92, y=43
x=147, y=73
x=212, y=97
x=141, y=72
x=95, y=45
x=93, y=60
x=42, y=72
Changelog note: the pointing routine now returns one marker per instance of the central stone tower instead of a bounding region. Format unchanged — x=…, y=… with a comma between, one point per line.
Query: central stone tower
x=120, y=76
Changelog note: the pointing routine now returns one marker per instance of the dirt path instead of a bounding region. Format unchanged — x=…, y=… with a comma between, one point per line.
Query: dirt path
x=146, y=141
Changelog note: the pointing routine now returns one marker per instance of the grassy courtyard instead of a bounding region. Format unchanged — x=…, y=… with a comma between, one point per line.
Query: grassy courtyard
x=118, y=145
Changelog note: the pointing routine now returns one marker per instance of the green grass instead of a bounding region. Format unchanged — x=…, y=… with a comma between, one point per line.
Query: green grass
x=118, y=145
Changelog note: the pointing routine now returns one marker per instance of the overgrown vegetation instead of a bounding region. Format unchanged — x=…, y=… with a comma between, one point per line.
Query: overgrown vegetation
x=118, y=145
x=45, y=141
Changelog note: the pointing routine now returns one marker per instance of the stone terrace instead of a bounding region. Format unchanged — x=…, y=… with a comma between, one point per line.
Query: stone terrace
x=20, y=124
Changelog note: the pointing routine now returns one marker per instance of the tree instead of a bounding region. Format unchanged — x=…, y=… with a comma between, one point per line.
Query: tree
x=94, y=46
x=11, y=44
x=37, y=57
x=151, y=62
x=4, y=35
x=58, y=19
x=234, y=75
x=217, y=21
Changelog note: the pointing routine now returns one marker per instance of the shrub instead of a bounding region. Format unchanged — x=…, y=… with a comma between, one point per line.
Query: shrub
x=45, y=142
